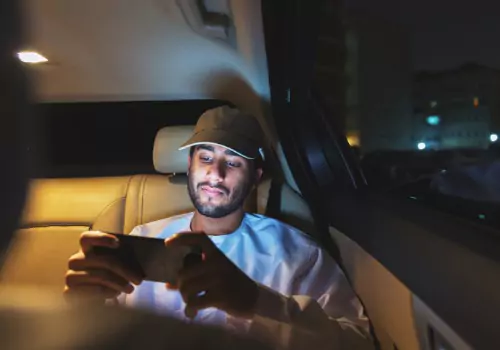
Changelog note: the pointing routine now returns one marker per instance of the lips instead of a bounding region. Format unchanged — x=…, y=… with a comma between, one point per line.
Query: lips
x=212, y=190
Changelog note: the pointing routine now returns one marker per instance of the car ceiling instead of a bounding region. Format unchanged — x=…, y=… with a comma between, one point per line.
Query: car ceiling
x=117, y=50
x=150, y=50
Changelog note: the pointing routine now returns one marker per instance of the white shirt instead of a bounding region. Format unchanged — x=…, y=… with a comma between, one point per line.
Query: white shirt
x=283, y=260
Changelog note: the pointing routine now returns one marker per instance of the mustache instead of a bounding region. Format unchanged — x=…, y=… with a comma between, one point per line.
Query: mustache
x=219, y=187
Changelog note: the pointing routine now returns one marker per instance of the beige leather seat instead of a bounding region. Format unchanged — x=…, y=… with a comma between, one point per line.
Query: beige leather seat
x=292, y=208
x=59, y=210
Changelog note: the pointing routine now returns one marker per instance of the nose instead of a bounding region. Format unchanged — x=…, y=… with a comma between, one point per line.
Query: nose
x=216, y=172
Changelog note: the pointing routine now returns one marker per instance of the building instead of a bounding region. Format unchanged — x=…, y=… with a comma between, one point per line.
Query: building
x=379, y=83
x=458, y=108
x=329, y=73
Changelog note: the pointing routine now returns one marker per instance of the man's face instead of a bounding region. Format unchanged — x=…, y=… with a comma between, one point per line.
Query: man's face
x=219, y=180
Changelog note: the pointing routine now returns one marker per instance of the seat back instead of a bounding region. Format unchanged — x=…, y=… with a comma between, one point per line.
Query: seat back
x=59, y=210
x=155, y=197
x=56, y=213
x=292, y=208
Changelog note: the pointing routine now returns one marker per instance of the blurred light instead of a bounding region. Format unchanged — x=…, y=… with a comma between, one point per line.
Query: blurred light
x=433, y=120
x=476, y=102
x=493, y=137
x=353, y=140
x=421, y=145
x=31, y=57
x=482, y=217
x=434, y=104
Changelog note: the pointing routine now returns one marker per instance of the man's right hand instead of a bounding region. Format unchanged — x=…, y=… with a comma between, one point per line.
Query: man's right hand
x=98, y=276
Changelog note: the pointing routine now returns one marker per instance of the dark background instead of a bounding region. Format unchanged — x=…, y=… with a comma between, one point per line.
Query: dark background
x=446, y=33
x=107, y=139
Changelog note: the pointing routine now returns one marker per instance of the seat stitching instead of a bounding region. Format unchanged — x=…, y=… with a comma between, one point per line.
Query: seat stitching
x=136, y=217
x=141, y=198
x=126, y=199
x=103, y=210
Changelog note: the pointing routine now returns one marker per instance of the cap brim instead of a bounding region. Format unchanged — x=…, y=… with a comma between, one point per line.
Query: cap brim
x=221, y=138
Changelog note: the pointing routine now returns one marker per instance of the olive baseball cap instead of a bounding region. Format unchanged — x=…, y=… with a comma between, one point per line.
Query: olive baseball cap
x=230, y=128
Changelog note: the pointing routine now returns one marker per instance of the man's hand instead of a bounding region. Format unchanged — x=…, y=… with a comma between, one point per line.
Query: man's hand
x=214, y=282
x=97, y=276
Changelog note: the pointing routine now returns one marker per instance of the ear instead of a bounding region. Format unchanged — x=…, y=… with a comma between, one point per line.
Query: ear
x=258, y=175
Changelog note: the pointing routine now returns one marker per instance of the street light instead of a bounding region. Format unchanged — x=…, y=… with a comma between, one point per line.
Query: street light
x=493, y=137
x=421, y=146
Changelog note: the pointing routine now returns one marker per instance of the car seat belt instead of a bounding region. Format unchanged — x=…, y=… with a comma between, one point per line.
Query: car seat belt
x=273, y=208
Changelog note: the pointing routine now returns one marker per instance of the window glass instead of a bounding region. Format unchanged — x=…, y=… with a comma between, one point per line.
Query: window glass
x=423, y=101
x=108, y=138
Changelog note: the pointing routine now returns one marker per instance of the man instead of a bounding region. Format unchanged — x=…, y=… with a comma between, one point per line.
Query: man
x=251, y=263
x=30, y=319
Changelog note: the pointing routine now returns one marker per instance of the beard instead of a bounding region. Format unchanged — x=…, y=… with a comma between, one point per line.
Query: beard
x=236, y=198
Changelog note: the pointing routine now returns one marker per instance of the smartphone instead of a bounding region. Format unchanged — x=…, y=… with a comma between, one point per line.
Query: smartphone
x=150, y=258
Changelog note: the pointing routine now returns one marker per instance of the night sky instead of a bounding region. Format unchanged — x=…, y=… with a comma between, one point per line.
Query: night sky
x=446, y=33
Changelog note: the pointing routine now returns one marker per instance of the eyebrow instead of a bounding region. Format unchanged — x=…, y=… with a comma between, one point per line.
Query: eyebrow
x=206, y=148
x=212, y=149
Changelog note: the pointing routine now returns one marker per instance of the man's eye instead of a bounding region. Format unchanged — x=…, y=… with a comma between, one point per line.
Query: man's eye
x=205, y=159
x=233, y=164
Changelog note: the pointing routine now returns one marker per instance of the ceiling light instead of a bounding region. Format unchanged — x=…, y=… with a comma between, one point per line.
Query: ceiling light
x=31, y=57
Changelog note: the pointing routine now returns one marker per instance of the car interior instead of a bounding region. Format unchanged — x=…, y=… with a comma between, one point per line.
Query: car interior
x=58, y=210
x=167, y=50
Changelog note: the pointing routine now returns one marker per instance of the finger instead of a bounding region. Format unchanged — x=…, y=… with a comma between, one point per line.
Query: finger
x=80, y=262
x=91, y=239
x=198, y=271
x=190, y=239
x=102, y=278
x=197, y=287
x=190, y=312
x=90, y=292
x=201, y=302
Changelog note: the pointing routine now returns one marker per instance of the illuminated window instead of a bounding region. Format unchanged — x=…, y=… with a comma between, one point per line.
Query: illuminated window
x=433, y=120
x=476, y=102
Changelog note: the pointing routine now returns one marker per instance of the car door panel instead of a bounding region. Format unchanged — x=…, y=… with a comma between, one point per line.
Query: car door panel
x=387, y=301
x=449, y=264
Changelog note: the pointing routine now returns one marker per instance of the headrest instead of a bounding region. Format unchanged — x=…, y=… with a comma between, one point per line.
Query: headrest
x=167, y=158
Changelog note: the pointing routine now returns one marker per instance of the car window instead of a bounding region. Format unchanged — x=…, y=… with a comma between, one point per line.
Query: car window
x=108, y=138
x=422, y=101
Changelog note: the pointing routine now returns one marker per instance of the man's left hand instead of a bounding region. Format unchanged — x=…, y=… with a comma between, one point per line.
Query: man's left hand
x=214, y=282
